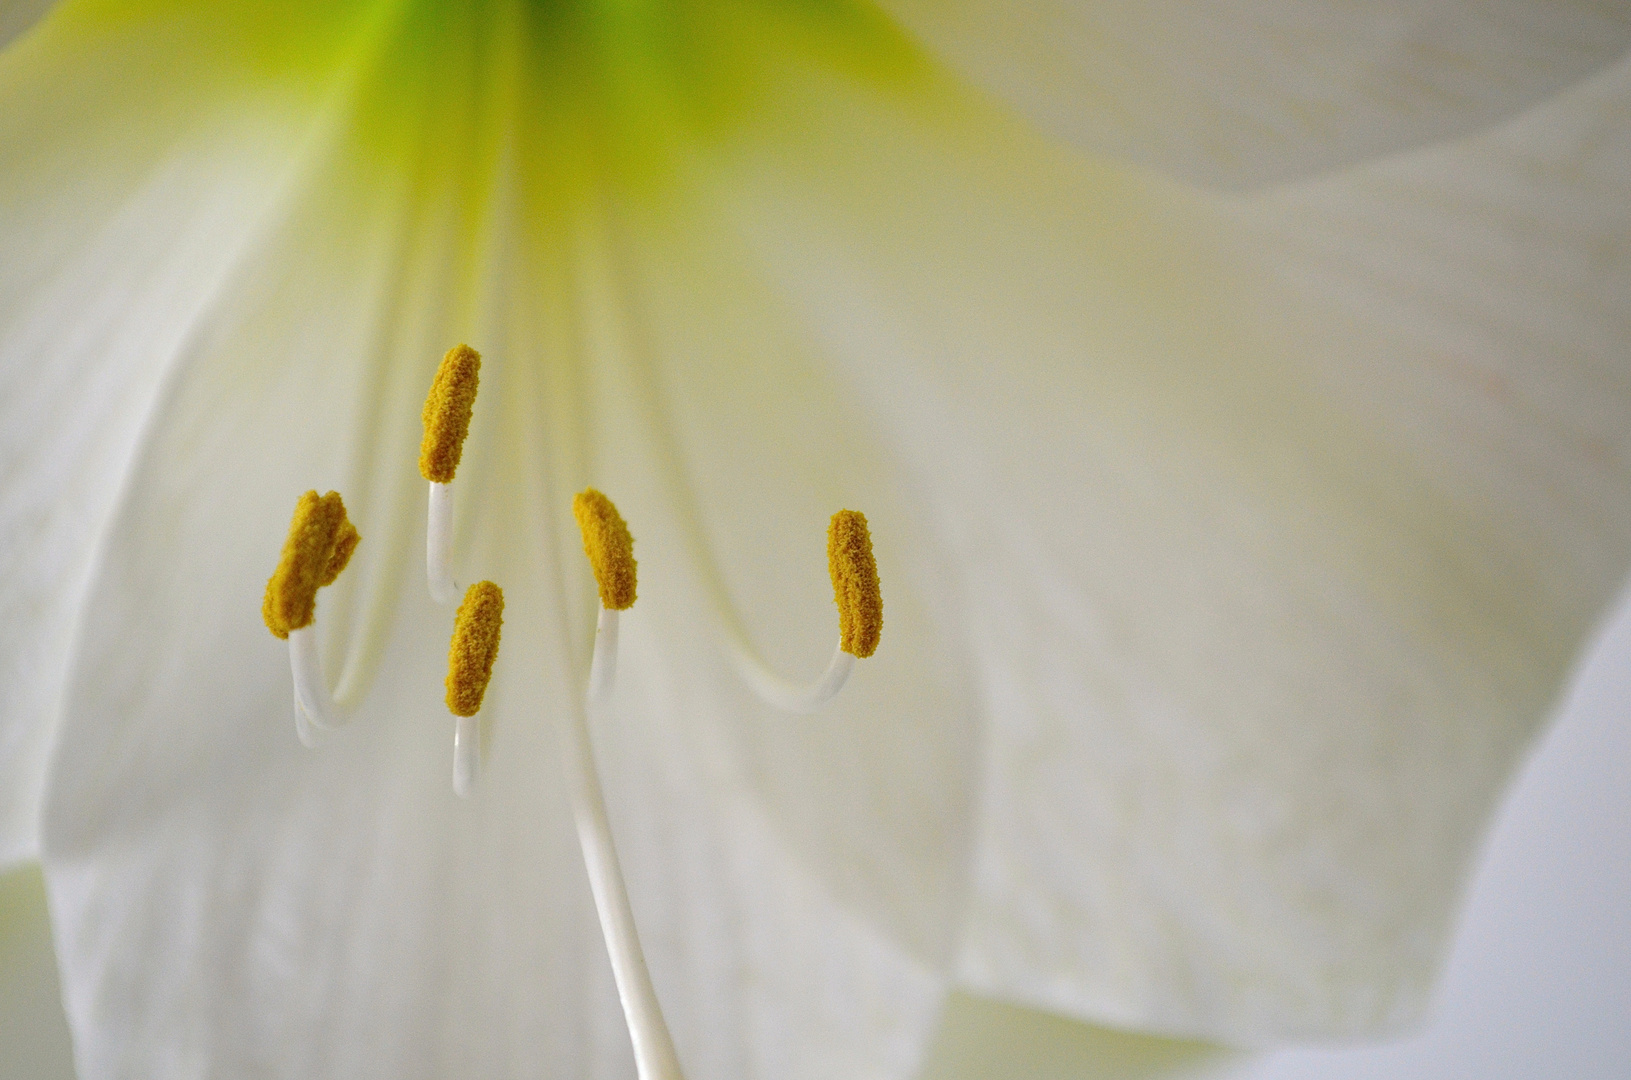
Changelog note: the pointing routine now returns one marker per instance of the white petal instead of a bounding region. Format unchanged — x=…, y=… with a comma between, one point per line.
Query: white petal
x=1242, y=92
x=740, y=442
x=124, y=206
x=32, y=1026
x=1539, y=974
x=982, y=1039
x=1257, y=647
x=229, y=903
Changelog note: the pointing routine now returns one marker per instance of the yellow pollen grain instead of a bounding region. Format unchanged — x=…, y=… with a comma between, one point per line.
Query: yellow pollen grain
x=448, y=406
x=854, y=583
x=610, y=548
x=320, y=542
x=474, y=648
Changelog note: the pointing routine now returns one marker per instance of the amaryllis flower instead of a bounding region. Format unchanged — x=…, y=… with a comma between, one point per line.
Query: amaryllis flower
x=1238, y=395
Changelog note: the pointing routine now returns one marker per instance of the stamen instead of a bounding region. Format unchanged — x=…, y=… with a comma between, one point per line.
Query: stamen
x=303, y=726
x=749, y=663
x=470, y=659
x=447, y=412
x=345, y=545
x=310, y=687
x=789, y=696
x=466, y=755
x=860, y=622
x=610, y=548
x=320, y=543
x=854, y=583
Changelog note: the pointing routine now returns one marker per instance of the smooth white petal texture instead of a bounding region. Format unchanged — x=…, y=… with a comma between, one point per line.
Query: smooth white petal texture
x=1237, y=93
x=1275, y=526
x=730, y=426
x=119, y=217
x=231, y=904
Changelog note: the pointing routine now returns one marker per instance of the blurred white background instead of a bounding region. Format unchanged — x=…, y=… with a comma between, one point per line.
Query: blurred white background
x=1539, y=984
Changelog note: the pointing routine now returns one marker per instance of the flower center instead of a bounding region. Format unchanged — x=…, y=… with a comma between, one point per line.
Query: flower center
x=320, y=543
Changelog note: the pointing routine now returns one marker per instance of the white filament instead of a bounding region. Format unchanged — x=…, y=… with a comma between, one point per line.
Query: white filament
x=439, y=545
x=303, y=726
x=789, y=695
x=603, y=664
x=310, y=688
x=654, y=1056
x=466, y=755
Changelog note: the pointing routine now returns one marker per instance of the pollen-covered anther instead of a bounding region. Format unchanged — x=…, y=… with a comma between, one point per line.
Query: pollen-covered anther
x=854, y=583
x=610, y=548
x=345, y=543
x=474, y=648
x=320, y=542
x=447, y=413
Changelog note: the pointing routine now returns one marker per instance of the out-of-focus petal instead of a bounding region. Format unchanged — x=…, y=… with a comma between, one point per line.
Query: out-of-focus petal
x=1273, y=551
x=18, y=16
x=1237, y=93
x=31, y=1021
x=124, y=203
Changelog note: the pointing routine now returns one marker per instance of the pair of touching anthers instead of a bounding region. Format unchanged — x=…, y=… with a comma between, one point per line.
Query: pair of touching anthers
x=319, y=545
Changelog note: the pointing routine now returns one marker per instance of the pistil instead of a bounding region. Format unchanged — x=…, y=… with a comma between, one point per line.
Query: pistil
x=610, y=548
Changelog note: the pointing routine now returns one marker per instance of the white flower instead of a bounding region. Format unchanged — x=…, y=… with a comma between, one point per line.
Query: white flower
x=1234, y=545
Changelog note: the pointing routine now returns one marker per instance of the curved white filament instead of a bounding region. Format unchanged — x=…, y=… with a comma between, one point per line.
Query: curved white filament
x=789, y=695
x=310, y=688
x=654, y=1056
x=303, y=726
x=466, y=755
x=439, y=545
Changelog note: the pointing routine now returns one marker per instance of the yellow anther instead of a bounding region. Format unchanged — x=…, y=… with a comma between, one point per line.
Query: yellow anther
x=447, y=413
x=610, y=548
x=320, y=542
x=344, y=544
x=854, y=583
x=475, y=646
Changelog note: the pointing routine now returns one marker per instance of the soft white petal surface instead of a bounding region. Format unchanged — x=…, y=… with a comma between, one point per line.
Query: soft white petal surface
x=339, y=912
x=1251, y=663
x=104, y=282
x=1275, y=525
x=729, y=424
x=1242, y=92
